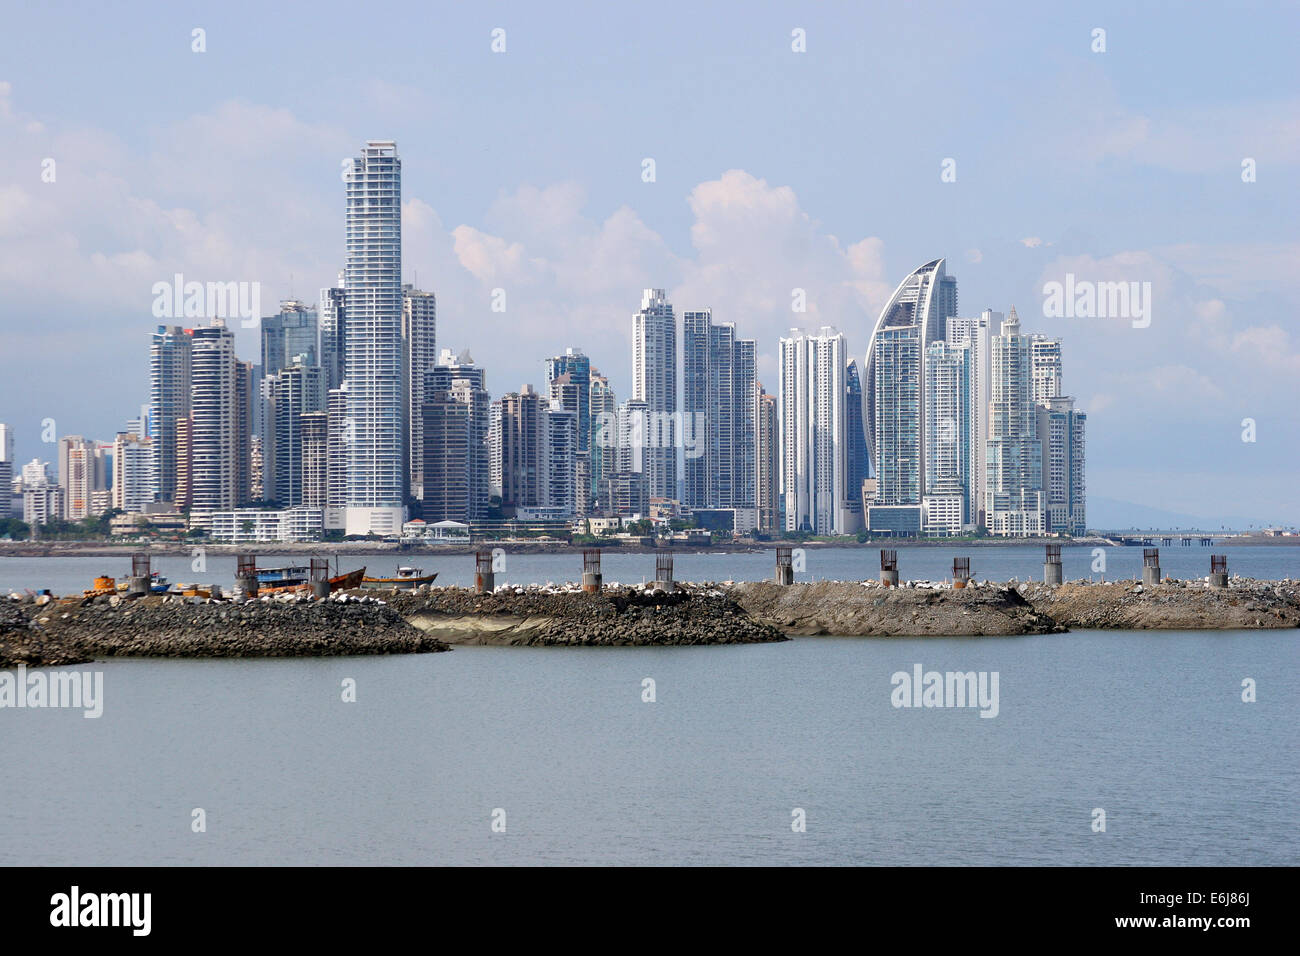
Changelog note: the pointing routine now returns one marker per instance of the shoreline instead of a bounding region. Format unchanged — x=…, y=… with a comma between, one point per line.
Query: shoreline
x=73, y=549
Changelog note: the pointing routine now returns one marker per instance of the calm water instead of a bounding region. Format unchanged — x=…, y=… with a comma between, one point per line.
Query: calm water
x=72, y=575
x=1148, y=726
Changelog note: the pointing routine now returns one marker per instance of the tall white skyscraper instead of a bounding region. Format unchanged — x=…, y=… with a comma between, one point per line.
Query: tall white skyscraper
x=654, y=382
x=6, y=443
x=373, y=342
x=215, y=419
x=977, y=335
x=1061, y=432
x=814, y=447
x=923, y=301
x=1045, y=358
x=419, y=353
x=1014, y=501
x=947, y=437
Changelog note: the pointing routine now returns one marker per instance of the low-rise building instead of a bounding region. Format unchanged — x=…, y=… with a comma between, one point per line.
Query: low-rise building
x=251, y=525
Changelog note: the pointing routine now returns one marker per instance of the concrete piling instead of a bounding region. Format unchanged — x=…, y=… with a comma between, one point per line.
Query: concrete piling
x=1150, y=567
x=484, y=578
x=784, y=565
x=1218, y=570
x=592, y=579
x=664, y=572
x=1052, y=566
x=246, y=574
x=960, y=572
x=889, y=567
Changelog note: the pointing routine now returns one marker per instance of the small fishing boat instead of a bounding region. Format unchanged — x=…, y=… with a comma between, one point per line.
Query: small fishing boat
x=289, y=582
x=406, y=578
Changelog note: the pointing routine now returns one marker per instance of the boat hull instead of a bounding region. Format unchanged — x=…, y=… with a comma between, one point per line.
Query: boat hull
x=398, y=584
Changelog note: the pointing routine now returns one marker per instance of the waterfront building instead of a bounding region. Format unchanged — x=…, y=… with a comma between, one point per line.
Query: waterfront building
x=419, y=353
x=814, y=446
x=654, y=383
x=373, y=304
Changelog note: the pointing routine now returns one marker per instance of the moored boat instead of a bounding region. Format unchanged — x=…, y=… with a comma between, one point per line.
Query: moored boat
x=406, y=578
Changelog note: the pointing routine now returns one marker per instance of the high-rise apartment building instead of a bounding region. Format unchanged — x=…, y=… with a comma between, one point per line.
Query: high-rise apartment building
x=336, y=467
x=216, y=419
x=373, y=342
x=859, y=462
x=313, y=434
x=133, y=476
x=976, y=334
x=169, y=401
x=1014, y=500
x=654, y=382
x=1061, y=434
x=457, y=377
x=814, y=450
x=296, y=390
x=947, y=435
x=576, y=398
x=767, y=460
x=603, y=415
x=447, y=450
x=521, y=455
x=1045, y=360
x=718, y=427
x=332, y=333
x=419, y=353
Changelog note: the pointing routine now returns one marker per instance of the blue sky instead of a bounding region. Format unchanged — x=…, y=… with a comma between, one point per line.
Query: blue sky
x=774, y=170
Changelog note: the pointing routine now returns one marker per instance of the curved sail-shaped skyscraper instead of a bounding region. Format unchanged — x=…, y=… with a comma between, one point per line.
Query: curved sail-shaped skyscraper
x=893, y=394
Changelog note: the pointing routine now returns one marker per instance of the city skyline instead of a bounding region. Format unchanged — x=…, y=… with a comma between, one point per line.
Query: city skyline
x=1101, y=191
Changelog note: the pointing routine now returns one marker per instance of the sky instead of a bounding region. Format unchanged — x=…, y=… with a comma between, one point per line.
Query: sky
x=997, y=136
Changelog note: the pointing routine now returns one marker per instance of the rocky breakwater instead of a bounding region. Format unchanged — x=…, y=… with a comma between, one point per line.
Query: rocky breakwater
x=75, y=630
x=567, y=616
x=23, y=641
x=869, y=609
x=1171, y=605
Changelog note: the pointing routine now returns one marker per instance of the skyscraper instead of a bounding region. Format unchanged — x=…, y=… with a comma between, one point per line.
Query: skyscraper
x=332, y=333
x=133, y=479
x=446, y=447
x=654, y=382
x=293, y=331
x=458, y=378
x=603, y=411
x=419, y=352
x=6, y=442
x=814, y=450
x=947, y=436
x=578, y=367
x=521, y=455
x=296, y=390
x=373, y=342
x=977, y=335
x=859, y=463
x=923, y=301
x=1061, y=433
x=169, y=401
x=313, y=432
x=215, y=416
x=718, y=427
x=1045, y=358
x=767, y=455
x=1014, y=501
